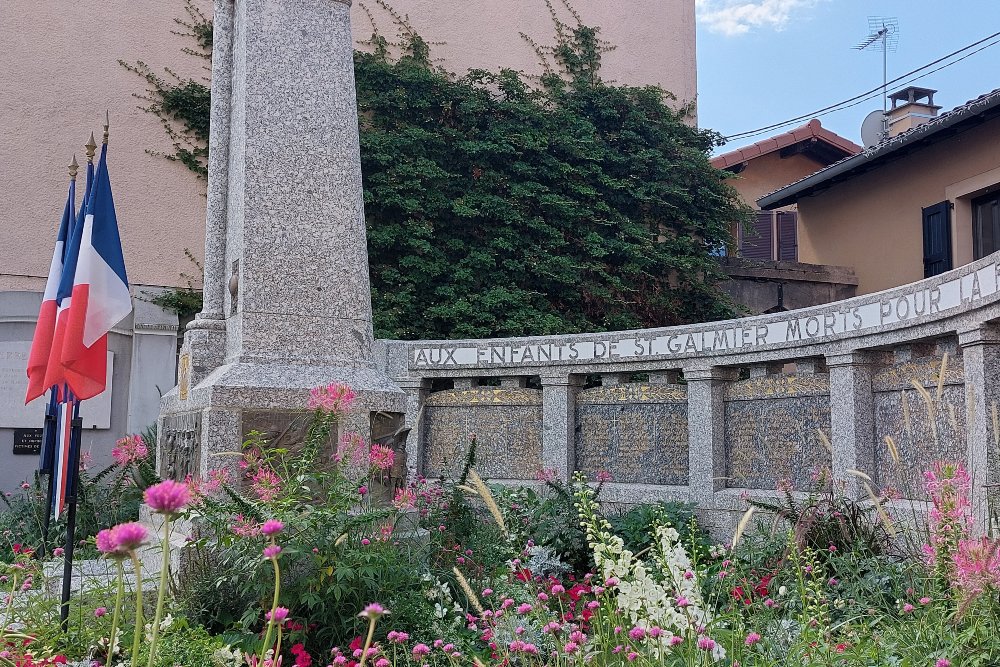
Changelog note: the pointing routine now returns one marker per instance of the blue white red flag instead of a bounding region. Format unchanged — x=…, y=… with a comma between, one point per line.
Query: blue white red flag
x=100, y=297
x=41, y=344
x=55, y=371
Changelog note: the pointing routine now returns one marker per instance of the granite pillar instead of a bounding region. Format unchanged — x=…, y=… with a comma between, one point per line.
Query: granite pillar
x=205, y=338
x=559, y=423
x=417, y=390
x=706, y=431
x=981, y=357
x=852, y=419
x=295, y=294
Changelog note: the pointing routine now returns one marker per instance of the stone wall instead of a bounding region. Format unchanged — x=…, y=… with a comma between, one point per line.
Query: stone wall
x=712, y=413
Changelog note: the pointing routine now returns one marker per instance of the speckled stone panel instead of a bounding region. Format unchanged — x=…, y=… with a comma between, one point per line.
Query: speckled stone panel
x=771, y=430
x=902, y=413
x=637, y=432
x=507, y=424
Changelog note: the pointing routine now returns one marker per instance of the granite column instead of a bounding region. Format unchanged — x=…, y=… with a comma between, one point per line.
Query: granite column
x=559, y=423
x=981, y=359
x=706, y=432
x=852, y=419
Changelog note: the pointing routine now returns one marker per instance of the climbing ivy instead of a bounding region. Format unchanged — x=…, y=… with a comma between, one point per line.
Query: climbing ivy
x=499, y=204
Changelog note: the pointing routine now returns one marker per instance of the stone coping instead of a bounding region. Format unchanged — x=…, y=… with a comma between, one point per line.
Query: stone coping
x=948, y=303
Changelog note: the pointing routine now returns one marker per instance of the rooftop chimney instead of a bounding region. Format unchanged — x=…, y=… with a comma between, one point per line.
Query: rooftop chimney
x=911, y=106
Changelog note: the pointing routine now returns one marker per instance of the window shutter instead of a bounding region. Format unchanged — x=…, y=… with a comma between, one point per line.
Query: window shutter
x=758, y=241
x=937, y=239
x=788, y=239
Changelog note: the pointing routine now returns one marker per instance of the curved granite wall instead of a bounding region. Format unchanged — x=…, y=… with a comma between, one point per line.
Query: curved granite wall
x=712, y=412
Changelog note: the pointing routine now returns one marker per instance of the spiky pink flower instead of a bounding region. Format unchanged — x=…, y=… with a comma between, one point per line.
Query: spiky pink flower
x=266, y=484
x=405, y=499
x=334, y=398
x=129, y=449
x=271, y=551
x=272, y=527
x=752, y=639
x=129, y=536
x=706, y=643
x=546, y=475
x=977, y=566
x=421, y=650
x=603, y=476
x=381, y=457
x=244, y=526
x=168, y=497
x=943, y=662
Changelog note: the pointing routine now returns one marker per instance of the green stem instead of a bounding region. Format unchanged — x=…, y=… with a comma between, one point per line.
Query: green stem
x=116, y=615
x=138, y=632
x=162, y=593
x=368, y=642
x=274, y=605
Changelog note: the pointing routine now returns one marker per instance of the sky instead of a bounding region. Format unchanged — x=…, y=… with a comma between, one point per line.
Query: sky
x=762, y=62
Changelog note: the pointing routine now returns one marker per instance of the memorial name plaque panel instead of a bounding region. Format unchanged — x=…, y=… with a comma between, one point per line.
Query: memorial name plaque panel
x=507, y=424
x=901, y=413
x=772, y=426
x=28, y=441
x=95, y=412
x=637, y=432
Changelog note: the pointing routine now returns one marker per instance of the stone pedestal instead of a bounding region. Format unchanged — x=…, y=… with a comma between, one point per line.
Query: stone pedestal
x=288, y=304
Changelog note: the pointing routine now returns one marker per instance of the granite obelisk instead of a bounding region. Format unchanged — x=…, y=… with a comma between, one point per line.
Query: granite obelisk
x=287, y=299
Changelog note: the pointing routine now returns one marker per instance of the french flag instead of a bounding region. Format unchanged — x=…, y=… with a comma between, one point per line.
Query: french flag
x=41, y=344
x=56, y=374
x=100, y=296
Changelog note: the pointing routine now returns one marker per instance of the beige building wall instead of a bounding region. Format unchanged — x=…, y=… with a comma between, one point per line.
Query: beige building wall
x=767, y=173
x=873, y=222
x=61, y=71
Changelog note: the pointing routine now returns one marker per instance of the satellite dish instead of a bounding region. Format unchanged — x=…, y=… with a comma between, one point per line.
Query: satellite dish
x=871, y=128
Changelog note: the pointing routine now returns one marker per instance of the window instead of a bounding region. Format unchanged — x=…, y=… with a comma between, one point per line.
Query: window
x=772, y=236
x=985, y=225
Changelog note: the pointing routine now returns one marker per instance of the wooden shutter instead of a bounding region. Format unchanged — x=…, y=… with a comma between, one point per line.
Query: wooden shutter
x=937, y=239
x=985, y=225
x=758, y=241
x=788, y=240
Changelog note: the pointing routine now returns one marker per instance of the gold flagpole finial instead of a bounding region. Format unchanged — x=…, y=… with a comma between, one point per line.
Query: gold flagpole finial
x=107, y=126
x=74, y=167
x=91, y=147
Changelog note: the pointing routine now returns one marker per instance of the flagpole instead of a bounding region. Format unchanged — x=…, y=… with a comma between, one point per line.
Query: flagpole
x=72, y=488
x=46, y=466
x=50, y=429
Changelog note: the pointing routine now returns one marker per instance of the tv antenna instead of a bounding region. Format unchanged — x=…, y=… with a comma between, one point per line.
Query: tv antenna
x=883, y=36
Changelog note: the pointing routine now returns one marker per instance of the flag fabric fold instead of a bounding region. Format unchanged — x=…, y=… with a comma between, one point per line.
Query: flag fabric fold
x=55, y=372
x=100, y=297
x=41, y=344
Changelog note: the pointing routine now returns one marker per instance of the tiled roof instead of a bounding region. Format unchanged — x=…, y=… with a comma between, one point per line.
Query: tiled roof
x=811, y=130
x=866, y=159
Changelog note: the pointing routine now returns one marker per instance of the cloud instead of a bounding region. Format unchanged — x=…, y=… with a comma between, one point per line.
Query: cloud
x=738, y=17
